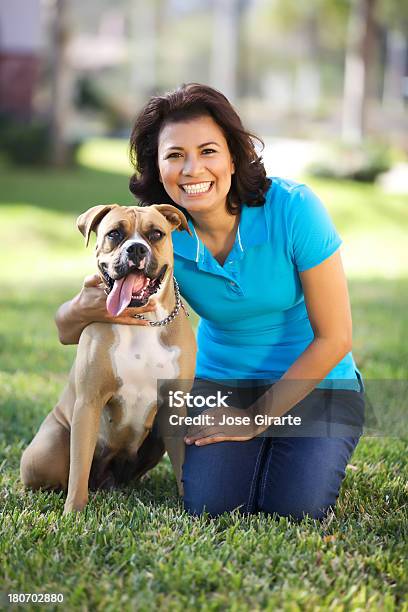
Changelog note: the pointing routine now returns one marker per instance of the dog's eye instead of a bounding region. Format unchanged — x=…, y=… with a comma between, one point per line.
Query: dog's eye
x=114, y=235
x=156, y=235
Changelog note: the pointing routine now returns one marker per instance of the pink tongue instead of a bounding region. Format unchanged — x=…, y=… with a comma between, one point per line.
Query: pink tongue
x=121, y=294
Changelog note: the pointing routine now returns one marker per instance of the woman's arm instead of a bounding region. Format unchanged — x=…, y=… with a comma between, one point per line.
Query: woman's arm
x=89, y=306
x=328, y=306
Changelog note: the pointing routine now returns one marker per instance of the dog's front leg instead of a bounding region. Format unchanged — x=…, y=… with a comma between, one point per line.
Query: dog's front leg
x=84, y=433
x=173, y=438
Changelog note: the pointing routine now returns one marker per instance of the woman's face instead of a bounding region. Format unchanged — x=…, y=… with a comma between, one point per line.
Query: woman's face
x=195, y=164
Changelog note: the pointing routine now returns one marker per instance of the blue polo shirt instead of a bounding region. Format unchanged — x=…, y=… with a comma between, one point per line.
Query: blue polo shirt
x=254, y=323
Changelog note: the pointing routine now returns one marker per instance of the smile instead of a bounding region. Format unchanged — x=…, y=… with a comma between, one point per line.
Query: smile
x=197, y=188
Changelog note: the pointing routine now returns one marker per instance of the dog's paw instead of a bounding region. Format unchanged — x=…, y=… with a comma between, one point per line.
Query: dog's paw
x=180, y=489
x=74, y=506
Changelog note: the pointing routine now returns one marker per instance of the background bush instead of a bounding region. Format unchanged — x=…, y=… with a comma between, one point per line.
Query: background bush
x=359, y=163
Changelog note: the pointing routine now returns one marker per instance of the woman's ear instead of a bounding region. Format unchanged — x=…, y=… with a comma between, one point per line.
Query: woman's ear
x=158, y=169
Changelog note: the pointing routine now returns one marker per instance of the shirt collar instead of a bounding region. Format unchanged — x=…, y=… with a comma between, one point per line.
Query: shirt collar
x=252, y=230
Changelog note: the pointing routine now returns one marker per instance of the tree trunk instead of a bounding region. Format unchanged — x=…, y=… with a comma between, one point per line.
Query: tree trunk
x=145, y=24
x=306, y=92
x=361, y=31
x=223, y=72
x=394, y=70
x=61, y=85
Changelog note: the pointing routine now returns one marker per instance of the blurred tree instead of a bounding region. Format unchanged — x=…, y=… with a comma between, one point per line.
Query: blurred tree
x=308, y=37
x=146, y=23
x=394, y=15
x=62, y=86
x=359, y=51
x=354, y=27
x=225, y=47
x=394, y=69
x=365, y=18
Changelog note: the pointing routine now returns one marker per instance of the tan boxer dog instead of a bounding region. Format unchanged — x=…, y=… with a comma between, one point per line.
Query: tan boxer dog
x=109, y=427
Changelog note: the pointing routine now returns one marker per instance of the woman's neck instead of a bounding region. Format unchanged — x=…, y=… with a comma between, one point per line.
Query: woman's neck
x=217, y=233
x=215, y=226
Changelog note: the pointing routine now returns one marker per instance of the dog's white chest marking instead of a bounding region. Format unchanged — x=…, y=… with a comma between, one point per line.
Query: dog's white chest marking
x=139, y=359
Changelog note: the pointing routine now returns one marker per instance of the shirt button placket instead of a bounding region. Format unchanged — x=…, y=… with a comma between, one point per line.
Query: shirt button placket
x=232, y=272
x=234, y=286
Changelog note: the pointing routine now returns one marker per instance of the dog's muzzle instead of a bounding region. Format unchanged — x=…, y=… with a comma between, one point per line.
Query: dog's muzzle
x=134, y=281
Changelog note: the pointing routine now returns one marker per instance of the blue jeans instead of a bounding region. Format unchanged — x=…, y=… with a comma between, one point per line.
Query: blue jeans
x=290, y=476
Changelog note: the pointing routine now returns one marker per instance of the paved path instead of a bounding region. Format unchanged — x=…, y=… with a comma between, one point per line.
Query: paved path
x=396, y=179
x=289, y=158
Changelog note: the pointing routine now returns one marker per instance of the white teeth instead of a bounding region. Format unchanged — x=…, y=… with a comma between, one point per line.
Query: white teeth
x=197, y=188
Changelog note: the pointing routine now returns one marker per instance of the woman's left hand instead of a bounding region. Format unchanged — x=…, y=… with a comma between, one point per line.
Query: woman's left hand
x=222, y=425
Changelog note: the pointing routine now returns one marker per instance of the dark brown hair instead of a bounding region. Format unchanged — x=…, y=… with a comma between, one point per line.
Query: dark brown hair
x=189, y=101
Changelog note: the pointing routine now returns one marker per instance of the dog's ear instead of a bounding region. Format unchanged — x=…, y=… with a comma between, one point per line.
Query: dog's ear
x=90, y=219
x=174, y=216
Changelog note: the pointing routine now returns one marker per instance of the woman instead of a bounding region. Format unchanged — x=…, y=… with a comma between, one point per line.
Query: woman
x=264, y=272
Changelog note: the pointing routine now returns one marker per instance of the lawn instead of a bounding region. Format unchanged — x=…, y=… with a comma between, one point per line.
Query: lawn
x=136, y=548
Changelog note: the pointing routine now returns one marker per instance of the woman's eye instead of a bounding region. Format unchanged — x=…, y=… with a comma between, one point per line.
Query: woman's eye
x=172, y=155
x=209, y=150
x=156, y=235
x=114, y=235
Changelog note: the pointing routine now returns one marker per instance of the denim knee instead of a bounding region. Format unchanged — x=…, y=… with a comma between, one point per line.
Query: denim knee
x=210, y=504
x=297, y=509
x=214, y=500
x=309, y=485
x=221, y=477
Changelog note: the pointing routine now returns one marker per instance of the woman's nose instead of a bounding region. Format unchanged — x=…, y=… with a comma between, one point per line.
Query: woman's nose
x=192, y=166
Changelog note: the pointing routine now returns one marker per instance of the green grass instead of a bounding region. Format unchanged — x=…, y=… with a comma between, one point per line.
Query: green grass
x=135, y=548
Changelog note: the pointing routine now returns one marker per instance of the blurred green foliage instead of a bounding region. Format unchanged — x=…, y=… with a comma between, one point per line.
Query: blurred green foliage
x=353, y=162
x=25, y=142
x=90, y=97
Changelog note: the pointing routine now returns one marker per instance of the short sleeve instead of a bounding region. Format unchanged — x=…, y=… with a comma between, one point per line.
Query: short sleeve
x=312, y=234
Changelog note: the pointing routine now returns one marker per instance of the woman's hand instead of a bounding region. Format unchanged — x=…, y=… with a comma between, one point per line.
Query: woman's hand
x=223, y=425
x=89, y=306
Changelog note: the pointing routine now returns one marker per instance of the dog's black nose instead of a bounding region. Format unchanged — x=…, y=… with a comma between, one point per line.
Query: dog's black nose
x=137, y=251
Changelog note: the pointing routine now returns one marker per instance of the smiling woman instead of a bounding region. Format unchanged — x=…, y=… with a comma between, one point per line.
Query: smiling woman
x=196, y=169
x=261, y=266
x=199, y=178
x=216, y=136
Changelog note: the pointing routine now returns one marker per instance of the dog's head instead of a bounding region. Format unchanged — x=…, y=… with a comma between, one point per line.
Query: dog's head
x=133, y=249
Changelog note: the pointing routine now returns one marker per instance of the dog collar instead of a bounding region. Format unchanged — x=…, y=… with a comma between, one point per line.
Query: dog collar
x=174, y=312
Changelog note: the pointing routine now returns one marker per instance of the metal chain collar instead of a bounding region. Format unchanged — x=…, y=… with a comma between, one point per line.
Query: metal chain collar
x=174, y=312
